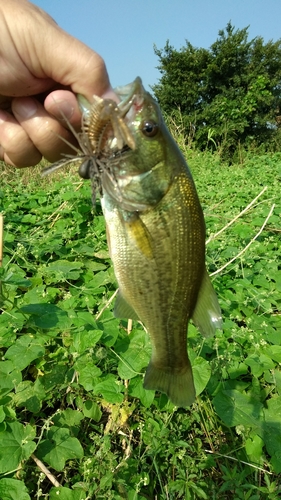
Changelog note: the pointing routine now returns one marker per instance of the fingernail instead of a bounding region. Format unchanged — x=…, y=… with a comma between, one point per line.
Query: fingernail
x=61, y=109
x=110, y=94
x=4, y=117
x=26, y=108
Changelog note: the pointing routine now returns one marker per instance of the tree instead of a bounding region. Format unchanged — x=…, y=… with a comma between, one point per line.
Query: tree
x=230, y=92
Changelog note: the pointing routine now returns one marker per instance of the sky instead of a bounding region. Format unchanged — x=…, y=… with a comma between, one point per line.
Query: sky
x=124, y=32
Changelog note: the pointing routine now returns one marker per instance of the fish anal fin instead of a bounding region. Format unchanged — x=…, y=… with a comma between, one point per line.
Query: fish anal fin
x=179, y=387
x=207, y=313
x=123, y=310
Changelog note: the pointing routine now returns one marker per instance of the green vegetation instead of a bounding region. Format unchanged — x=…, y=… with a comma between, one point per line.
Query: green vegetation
x=71, y=395
x=228, y=96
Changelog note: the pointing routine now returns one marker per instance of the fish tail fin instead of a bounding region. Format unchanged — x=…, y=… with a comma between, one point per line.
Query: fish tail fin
x=179, y=387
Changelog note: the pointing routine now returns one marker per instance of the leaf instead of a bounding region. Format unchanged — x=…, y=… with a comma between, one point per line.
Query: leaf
x=259, y=363
x=9, y=377
x=253, y=447
x=30, y=395
x=9, y=324
x=92, y=410
x=84, y=318
x=2, y=414
x=55, y=377
x=12, y=489
x=100, y=279
x=59, y=447
x=235, y=408
x=63, y=269
x=273, y=411
x=110, y=389
x=201, y=374
x=110, y=327
x=83, y=340
x=66, y=494
x=29, y=218
x=25, y=350
x=274, y=351
x=87, y=373
x=19, y=281
x=68, y=418
x=272, y=439
x=137, y=390
x=277, y=377
x=47, y=315
x=16, y=445
x=135, y=352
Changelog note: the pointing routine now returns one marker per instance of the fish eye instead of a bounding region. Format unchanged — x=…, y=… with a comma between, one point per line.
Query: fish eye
x=149, y=128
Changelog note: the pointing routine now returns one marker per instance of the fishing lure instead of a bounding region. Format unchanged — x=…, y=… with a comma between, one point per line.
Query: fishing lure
x=101, y=120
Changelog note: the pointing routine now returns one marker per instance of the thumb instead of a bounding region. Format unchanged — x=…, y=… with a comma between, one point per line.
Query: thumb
x=83, y=70
x=51, y=54
x=72, y=64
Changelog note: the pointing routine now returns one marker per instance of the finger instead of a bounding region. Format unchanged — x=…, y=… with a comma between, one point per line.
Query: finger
x=16, y=147
x=45, y=53
x=45, y=132
x=63, y=105
x=83, y=70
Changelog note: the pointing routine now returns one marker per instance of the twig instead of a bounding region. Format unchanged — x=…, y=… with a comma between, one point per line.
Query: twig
x=247, y=246
x=130, y=326
x=107, y=304
x=46, y=471
x=212, y=237
x=240, y=461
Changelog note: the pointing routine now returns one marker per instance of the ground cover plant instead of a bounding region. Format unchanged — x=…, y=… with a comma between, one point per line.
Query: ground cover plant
x=75, y=421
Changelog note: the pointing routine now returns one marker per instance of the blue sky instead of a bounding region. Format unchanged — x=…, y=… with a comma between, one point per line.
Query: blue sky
x=123, y=31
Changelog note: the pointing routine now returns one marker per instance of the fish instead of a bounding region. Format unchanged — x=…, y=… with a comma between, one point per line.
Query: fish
x=156, y=238
x=155, y=231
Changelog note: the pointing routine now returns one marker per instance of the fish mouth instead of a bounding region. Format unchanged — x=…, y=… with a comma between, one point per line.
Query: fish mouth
x=131, y=97
x=131, y=100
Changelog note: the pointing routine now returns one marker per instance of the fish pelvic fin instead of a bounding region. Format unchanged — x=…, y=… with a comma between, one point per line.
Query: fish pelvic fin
x=207, y=313
x=122, y=309
x=179, y=387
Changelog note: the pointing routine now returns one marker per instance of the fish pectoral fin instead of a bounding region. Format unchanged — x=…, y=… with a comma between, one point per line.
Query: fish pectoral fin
x=139, y=235
x=123, y=310
x=179, y=387
x=207, y=313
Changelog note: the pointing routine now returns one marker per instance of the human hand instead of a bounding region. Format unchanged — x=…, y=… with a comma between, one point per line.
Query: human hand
x=41, y=69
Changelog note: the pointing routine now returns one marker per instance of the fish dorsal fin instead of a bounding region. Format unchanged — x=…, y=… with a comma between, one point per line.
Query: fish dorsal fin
x=207, y=313
x=139, y=235
x=122, y=309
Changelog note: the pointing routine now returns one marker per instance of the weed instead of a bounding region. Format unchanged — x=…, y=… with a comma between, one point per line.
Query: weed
x=75, y=421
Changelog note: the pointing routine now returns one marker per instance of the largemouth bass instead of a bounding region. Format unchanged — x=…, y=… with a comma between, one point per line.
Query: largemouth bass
x=156, y=238
x=155, y=231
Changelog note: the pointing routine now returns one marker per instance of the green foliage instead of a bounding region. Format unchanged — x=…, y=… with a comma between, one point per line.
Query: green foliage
x=17, y=444
x=12, y=489
x=58, y=447
x=228, y=96
x=71, y=378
